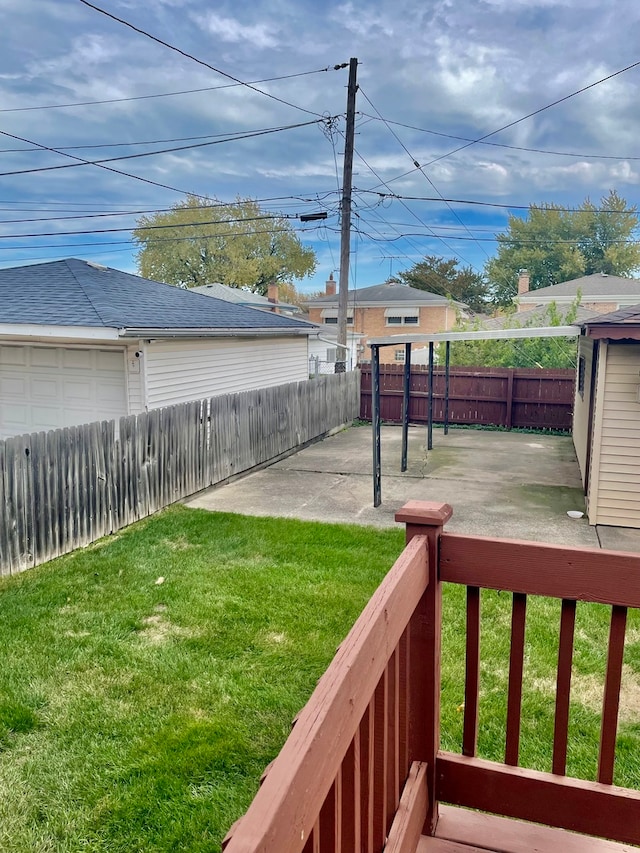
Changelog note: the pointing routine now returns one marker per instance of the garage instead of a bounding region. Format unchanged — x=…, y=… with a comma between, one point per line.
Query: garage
x=47, y=387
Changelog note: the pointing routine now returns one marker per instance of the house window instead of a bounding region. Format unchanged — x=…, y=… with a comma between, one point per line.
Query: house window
x=332, y=353
x=402, y=317
x=581, y=373
x=333, y=321
x=398, y=355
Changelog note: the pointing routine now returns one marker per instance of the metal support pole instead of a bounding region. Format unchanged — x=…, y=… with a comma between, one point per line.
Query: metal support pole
x=406, y=397
x=447, y=353
x=375, y=424
x=430, y=419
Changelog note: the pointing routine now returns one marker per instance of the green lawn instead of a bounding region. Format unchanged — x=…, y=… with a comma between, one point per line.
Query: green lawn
x=138, y=715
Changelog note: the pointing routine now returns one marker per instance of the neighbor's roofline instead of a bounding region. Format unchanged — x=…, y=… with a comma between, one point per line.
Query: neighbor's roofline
x=436, y=302
x=532, y=296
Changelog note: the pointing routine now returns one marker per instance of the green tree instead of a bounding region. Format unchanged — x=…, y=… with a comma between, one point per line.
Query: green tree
x=557, y=245
x=443, y=277
x=200, y=242
x=519, y=352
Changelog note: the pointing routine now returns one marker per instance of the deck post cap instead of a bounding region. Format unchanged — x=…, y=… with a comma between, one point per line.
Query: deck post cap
x=429, y=513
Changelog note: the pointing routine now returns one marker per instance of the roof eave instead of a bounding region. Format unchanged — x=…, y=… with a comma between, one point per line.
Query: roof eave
x=146, y=332
x=614, y=332
x=53, y=332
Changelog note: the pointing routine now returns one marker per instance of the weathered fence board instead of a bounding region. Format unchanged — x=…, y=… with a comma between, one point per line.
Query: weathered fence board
x=497, y=396
x=63, y=489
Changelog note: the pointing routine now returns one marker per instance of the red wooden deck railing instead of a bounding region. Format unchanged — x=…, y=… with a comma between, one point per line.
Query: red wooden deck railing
x=362, y=769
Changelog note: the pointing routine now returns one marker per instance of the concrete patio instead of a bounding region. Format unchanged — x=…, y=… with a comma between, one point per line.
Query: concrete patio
x=515, y=485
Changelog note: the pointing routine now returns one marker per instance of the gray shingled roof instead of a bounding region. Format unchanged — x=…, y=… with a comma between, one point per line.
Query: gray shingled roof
x=76, y=293
x=538, y=317
x=242, y=297
x=630, y=315
x=598, y=284
x=385, y=294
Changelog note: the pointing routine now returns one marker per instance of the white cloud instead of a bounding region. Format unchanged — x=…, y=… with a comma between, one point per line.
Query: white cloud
x=232, y=31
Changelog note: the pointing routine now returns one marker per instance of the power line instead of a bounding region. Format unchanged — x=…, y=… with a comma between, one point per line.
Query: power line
x=399, y=196
x=297, y=199
x=496, y=239
x=510, y=124
x=129, y=144
x=313, y=198
x=190, y=237
x=531, y=114
x=150, y=227
x=421, y=169
x=235, y=138
x=500, y=144
x=200, y=61
x=160, y=94
x=100, y=165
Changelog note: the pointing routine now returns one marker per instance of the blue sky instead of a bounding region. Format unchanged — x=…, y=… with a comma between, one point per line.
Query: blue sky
x=456, y=68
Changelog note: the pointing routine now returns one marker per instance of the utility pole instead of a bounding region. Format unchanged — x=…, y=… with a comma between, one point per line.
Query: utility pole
x=345, y=212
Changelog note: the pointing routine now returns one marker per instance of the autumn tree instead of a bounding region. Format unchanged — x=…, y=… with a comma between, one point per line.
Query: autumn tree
x=199, y=242
x=444, y=277
x=555, y=244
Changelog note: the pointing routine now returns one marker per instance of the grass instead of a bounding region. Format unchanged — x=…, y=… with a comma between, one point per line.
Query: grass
x=148, y=679
x=137, y=715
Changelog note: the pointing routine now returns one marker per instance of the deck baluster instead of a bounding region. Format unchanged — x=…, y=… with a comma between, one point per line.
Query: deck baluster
x=516, y=665
x=563, y=686
x=472, y=673
x=611, y=699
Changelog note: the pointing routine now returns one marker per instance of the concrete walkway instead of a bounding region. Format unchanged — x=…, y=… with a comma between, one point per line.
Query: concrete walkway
x=506, y=484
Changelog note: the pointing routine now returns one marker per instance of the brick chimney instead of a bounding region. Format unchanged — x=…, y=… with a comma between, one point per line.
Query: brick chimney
x=523, y=282
x=331, y=286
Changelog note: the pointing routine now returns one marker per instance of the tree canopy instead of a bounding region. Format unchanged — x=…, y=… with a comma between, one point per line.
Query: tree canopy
x=199, y=242
x=443, y=277
x=556, y=245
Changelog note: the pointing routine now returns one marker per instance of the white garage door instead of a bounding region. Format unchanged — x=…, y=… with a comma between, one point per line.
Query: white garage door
x=44, y=388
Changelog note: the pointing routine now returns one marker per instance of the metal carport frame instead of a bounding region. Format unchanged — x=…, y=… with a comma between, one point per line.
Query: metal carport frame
x=442, y=337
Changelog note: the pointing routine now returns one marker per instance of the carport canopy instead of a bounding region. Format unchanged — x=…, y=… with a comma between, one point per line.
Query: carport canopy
x=440, y=337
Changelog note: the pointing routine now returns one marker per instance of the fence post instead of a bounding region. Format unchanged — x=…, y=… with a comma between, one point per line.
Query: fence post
x=426, y=518
x=509, y=417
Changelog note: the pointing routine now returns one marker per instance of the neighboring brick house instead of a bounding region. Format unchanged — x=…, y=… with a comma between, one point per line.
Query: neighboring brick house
x=599, y=293
x=385, y=309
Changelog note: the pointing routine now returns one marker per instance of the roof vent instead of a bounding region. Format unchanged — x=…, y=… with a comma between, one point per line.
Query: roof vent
x=96, y=266
x=604, y=274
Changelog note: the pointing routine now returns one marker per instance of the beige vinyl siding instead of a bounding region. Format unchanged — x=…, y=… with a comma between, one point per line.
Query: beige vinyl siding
x=179, y=371
x=616, y=494
x=581, y=407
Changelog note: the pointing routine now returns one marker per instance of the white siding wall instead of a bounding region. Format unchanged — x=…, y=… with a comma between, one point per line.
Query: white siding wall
x=135, y=378
x=179, y=371
x=581, y=407
x=319, y=349
x=615, y=474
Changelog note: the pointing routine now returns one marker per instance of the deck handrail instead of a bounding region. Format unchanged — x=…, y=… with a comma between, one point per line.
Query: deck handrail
x=287, y=808
x=362, y=768
x=571, y=575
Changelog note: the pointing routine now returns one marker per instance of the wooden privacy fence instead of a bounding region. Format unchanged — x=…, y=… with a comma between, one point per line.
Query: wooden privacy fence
x=62, y=489
x=500, y=396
